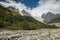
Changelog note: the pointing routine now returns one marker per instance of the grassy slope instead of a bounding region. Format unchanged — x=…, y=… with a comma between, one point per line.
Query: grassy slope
x=12, y=20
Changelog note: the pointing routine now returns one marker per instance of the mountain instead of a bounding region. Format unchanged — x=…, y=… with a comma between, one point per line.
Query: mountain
x=11, y=8
x=10, y=19
x=25, y=13
x=50, y=17
x=55, y=20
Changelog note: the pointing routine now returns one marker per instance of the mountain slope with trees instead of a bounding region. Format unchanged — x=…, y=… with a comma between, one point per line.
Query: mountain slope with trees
x=10, y=19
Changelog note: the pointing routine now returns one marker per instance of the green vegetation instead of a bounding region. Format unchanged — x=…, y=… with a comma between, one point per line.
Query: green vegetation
x=12, y=20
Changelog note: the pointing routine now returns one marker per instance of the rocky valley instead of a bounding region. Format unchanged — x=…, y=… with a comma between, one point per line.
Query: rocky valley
x=42, y=34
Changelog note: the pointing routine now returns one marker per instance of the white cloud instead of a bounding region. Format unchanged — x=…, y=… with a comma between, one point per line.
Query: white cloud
x=46, y=6
x=43, y=7
x=12, y=3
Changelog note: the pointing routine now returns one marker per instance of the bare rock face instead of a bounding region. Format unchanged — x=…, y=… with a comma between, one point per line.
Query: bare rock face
x=42, y=34
x=25, y=13
x=47, y=17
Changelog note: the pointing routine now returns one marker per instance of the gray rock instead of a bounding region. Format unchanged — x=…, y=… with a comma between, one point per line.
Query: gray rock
x=42, y=34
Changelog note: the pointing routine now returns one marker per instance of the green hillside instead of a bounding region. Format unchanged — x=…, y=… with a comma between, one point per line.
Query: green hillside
x=13, y=20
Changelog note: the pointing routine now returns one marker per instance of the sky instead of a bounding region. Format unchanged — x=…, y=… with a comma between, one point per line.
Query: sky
x=35, y=7
x=29, y=3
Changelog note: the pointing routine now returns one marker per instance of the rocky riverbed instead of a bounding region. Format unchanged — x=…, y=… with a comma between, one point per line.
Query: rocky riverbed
x=42, y=34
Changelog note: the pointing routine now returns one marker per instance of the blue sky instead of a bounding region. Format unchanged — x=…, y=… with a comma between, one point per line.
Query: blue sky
x=29, y=3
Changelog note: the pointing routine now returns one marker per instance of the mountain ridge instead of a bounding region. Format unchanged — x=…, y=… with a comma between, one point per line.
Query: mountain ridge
x=50, y=17
x=13, y=20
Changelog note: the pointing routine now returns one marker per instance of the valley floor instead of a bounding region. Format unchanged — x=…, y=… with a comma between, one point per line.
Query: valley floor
x=42, y=34
x=56, y=24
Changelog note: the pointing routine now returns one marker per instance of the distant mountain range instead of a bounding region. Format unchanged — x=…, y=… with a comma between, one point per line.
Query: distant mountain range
x=11, y=19
x=48, y=17
x=24, y=13
x=51, y=17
